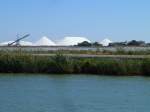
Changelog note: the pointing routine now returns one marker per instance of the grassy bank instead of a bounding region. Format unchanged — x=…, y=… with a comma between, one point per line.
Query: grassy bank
x=95, y=51
x=25, y=63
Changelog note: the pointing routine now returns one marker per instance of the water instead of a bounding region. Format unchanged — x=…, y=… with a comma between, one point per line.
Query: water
x=75, y=93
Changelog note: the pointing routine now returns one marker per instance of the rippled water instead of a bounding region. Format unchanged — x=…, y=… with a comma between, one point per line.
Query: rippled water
x=75, y=93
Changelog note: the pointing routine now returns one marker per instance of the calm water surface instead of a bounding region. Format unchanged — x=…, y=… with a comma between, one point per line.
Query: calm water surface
x=75, y=93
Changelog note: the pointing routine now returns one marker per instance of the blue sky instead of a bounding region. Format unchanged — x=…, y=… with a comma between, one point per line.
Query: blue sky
x=118, y=20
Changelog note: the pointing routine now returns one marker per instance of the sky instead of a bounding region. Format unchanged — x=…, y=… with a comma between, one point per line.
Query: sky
x=118, y=20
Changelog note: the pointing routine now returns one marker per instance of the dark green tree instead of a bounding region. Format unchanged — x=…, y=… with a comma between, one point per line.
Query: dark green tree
x=84, y=44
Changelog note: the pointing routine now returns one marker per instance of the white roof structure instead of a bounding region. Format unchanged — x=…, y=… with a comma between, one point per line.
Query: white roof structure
x=105, y=42
x=44, y=41
x=70, y=41
x=22, y=43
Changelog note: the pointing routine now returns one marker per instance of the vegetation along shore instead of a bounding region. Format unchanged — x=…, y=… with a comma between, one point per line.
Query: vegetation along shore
x=61, y=64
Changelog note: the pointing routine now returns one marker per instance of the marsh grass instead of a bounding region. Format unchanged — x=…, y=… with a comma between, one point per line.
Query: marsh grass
x=19, y=62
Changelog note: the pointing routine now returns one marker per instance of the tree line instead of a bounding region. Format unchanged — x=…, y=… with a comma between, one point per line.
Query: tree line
x=115, y=44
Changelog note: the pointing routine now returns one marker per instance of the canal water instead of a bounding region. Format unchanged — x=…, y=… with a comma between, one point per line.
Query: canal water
x=73, y=93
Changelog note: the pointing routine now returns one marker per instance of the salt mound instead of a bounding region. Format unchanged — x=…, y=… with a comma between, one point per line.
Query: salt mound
x=22, y=43
x=26, y=43
x=44, y=41
x=105, y=42
x=6, y=43
x=70, y=41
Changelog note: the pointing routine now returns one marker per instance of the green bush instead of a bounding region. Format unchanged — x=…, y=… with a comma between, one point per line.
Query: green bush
x=61, y=64
x=146, y=67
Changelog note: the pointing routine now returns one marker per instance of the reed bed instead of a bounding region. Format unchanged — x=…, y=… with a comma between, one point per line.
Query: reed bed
x=19, y=62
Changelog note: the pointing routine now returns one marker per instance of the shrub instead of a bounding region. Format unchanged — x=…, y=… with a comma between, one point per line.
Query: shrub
x=26, y=63
x=146, y=67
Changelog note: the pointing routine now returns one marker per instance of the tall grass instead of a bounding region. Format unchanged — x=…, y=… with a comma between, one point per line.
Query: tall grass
x=26, y=63
x=98, y=51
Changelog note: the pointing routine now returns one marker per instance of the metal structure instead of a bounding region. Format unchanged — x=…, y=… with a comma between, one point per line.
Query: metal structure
x=17, y=41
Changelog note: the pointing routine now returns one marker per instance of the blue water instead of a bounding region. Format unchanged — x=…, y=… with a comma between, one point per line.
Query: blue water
x=75, y=93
